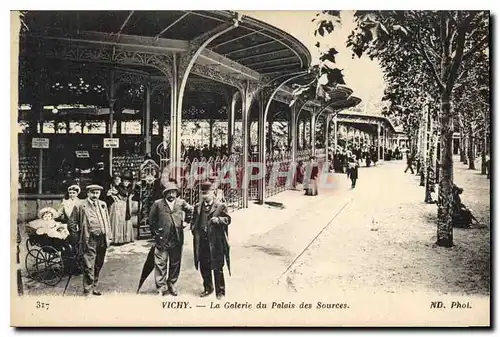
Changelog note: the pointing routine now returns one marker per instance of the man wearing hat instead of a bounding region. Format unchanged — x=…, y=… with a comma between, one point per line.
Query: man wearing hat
x=91, y=216
x=166, y=219
x=211, y=248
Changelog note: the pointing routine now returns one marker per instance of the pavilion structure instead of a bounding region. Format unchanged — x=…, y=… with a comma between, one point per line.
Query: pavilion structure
x=102, y=70
x=368, y=129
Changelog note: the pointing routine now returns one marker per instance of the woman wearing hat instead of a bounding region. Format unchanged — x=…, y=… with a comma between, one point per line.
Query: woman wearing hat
x=126, y=191
x=312, y=185
x=352, y=170
x=69, y=203
x=117, y=197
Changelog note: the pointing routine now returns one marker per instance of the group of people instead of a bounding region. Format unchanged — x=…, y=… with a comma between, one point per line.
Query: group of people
x=197, y=152
x=209, y=220
x=121, y=201
x=103, y=218
x=311, y=185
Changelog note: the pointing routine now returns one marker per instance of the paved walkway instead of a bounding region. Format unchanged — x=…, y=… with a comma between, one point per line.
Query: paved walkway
x=384, y=240
x=362, y=232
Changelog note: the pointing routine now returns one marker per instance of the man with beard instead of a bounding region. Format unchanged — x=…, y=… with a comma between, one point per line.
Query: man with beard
x=166, y=222
x=91, y=216
x=209, y=228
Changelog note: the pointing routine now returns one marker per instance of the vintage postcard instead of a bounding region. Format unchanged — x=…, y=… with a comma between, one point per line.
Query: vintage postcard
x=250, y=168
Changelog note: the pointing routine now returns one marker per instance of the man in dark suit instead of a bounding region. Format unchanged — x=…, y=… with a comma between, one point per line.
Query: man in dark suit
x=409, y=162
x=211, y=248
x=91, y=216
x=166, y=222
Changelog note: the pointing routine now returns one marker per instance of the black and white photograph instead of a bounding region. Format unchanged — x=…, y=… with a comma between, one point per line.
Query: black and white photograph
x=251, y=168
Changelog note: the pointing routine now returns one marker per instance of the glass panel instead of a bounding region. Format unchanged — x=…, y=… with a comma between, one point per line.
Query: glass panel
x=95, y=127
x=131, y=128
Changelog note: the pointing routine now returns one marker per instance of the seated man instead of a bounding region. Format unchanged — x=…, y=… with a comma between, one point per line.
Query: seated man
x=461, y=217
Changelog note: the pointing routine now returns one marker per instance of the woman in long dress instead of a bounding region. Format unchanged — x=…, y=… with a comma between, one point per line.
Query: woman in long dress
x=312, y=184
x=117, y=211
x=299, y=176
x=125, y=191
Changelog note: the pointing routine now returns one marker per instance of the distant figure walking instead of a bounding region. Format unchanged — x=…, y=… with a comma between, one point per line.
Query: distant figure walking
x=352, y=170
x=312, y=185
x=409, y=163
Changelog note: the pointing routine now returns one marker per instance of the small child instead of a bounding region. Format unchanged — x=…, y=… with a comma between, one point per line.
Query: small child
x=47, y=225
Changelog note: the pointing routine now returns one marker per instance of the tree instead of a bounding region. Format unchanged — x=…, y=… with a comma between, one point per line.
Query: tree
x=326, y=76
x=472, y=97
x=444, y=40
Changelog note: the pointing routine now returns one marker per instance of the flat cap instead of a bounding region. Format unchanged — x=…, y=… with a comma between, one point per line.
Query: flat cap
x=94, y=187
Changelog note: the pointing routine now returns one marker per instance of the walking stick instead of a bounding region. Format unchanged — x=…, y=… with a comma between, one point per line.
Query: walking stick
x=67, y=283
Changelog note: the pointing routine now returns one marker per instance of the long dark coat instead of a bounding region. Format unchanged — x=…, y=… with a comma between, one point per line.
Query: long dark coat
x=217, y=234
x=352, y=172
x=161, y=218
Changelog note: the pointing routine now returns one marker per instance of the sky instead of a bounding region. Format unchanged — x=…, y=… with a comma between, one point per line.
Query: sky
x=362, y=75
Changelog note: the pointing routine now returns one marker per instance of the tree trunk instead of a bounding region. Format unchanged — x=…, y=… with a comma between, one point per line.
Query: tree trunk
x=444, y=225
x=430, y=176
x=483, y=148
x=210, y=133
x=424, y=155
x=470, y=149
x=463, y=158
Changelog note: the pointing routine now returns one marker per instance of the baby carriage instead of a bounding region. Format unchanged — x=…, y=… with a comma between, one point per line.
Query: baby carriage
x=49, y=259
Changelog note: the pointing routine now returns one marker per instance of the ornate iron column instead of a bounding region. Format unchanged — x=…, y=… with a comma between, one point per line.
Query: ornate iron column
x=148, y=117
x=262, y=119
x=262, y=147
x=293, y=132
x=231, y=121
x=174, y=129
x=335, y=133
x=327, y=133
x=111, y=102
x=382, y=155
x=249, y=92
x=182, y=67
x=378, y=140
x=312, y=132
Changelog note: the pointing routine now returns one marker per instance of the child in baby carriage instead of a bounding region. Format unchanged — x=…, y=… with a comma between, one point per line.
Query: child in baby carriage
x=45, y=224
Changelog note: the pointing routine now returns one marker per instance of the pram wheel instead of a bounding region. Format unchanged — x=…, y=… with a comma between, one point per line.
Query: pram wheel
x=32, y=263
x=50, y=267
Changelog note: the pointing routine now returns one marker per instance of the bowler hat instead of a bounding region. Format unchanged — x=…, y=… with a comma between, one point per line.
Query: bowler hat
x=206, y=186
x=94, y=187
x=170, y=186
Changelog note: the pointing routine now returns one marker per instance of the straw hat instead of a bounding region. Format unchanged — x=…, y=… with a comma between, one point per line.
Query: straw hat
x=94, y=187
x=170, y=186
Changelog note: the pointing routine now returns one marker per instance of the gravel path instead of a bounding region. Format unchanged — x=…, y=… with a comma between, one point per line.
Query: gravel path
x=384, y=240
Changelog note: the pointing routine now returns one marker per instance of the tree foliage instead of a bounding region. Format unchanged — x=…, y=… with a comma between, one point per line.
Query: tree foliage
x=326, y=75
x=430, y=52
